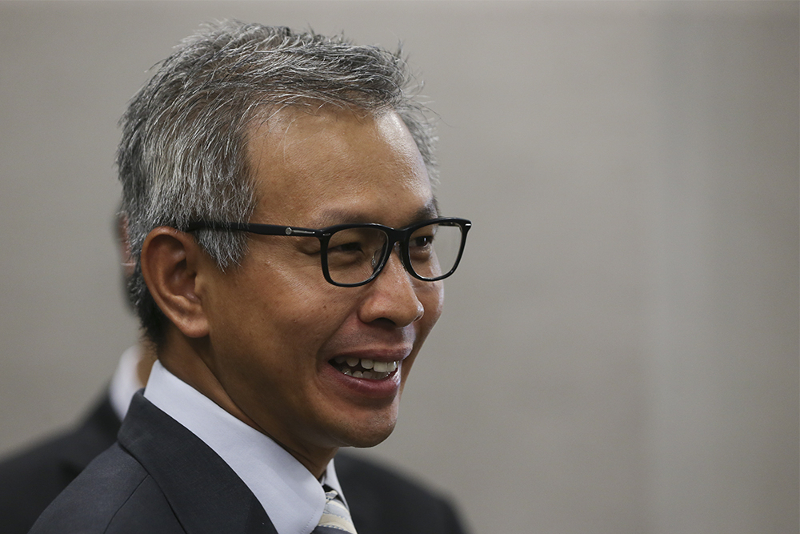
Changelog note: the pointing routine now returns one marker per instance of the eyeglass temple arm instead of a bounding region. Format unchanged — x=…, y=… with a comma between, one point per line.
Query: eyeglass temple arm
x=262, y=229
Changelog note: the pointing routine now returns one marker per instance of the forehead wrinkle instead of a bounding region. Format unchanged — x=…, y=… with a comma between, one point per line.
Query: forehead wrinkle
x=289, y=114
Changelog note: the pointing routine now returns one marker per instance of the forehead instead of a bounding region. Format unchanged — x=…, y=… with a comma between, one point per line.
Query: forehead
x=332, y=164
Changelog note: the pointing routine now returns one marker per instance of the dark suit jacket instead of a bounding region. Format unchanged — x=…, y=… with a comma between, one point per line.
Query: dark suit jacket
x=161, y=478
x=31, y=479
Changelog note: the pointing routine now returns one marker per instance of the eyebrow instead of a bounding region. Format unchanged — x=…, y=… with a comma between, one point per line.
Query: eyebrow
x=335, y=216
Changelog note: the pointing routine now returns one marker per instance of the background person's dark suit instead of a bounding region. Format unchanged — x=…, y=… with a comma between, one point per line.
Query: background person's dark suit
x=31, y=479
x=380, y=502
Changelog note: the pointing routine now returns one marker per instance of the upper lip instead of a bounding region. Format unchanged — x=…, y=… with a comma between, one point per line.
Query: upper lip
x=382, y=354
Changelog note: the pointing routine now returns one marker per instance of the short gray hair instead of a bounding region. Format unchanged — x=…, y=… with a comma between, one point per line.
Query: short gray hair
x=182, y=157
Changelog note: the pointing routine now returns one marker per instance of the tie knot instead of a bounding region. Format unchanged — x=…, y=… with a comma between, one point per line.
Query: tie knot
x=335, y=517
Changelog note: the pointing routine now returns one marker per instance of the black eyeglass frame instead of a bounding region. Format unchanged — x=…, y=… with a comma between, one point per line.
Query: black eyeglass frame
x=396, y=235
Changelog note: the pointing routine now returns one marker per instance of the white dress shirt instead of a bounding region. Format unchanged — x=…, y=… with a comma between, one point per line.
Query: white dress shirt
x=125, y=382
x=291, y=496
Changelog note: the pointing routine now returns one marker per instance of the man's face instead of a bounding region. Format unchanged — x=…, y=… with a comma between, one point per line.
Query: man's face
x=277, y=328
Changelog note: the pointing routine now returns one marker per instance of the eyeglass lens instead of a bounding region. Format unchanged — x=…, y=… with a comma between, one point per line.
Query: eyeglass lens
x=354, y=254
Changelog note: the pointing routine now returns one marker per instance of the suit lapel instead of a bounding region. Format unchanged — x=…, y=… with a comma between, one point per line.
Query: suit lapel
x=205, y=493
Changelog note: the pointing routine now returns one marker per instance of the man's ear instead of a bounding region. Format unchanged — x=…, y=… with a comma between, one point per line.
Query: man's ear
x=170, y=260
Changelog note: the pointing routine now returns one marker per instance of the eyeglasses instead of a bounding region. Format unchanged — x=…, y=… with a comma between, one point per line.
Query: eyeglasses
x=354, y=254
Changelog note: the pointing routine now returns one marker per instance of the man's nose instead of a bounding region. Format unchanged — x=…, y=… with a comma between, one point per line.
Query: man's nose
x=392, y=295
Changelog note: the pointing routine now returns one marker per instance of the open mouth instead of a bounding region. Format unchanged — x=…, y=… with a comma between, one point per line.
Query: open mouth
x=364, y=367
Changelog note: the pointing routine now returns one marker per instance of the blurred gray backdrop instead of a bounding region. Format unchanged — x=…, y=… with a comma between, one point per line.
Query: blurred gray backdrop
x=619, y=351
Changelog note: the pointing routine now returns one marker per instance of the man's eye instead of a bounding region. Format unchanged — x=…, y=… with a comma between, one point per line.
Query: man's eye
x=421, y=241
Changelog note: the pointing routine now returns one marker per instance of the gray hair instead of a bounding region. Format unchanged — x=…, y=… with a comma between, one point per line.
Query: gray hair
x=182, y=157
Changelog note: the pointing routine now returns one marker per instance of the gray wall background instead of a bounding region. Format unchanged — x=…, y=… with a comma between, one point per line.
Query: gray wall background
x=619, y=351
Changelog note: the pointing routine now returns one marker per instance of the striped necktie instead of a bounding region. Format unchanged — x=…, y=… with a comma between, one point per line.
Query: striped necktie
x=335, y=518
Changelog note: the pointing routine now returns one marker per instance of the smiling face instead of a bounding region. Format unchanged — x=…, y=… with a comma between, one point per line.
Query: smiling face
x=286, y=346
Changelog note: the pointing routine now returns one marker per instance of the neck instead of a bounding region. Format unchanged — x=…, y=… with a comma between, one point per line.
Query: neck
x=182, y=357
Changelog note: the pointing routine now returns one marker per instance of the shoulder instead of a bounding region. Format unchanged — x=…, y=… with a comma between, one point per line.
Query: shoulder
x=124, y=498
x=42, y=460
x=384, y=500
x=32, y=478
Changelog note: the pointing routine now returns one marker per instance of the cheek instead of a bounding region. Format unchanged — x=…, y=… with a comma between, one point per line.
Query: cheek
x=312, y=309
x=296, y=317
x=431, y=295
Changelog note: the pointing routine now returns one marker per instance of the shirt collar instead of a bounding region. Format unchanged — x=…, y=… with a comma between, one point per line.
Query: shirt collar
x=291, y=496
x=124, y=382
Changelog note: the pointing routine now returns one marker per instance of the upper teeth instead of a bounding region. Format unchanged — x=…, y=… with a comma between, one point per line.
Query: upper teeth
x=366, y=363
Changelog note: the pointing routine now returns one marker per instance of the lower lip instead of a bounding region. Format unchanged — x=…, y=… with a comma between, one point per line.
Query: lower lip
x=364, y=387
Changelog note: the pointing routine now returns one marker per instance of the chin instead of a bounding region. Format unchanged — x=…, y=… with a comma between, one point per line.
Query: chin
x=363, y=442
x=365, y=434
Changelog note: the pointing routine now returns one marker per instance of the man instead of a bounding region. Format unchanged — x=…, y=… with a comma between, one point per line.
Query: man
x=288, y=262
